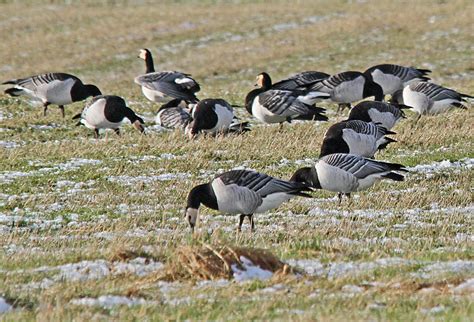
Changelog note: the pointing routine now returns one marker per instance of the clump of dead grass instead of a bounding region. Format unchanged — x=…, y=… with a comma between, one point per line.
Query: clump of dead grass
x=215, y=262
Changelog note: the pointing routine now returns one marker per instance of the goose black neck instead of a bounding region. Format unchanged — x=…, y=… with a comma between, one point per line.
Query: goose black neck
x=266, y=81
x=202, y=194
x=307, y=175
x=150, y=67
x=80, y=92
x=373, y=89
x=250, y=98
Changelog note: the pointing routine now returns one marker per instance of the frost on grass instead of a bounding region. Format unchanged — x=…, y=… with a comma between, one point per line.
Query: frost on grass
x=130, y=180
x=73, y=164
x=438, y=167
x=95, y=270
x=459, y=267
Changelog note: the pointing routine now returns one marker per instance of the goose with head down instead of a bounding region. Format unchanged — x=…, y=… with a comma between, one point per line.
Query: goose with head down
x=242, y=192
x=52, y=88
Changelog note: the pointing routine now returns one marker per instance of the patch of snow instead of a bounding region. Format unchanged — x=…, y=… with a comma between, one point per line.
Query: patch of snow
x=10, y=144
x=110, y=301
x=4, y=306
x=250, y=271
x=352, y=289
x=437, y=167
x=440, y=268
x=434, y=310
x=467, y=287
x=129, y=180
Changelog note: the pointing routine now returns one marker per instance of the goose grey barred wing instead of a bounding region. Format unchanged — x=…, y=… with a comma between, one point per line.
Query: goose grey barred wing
x=402, y=72
x=360, y=167
x=333, y=81
x=34, y=82
x=174, y=117
x=261, y=183
x=284, y=103
x=363, y=127
x=300, y=81
x=174, y=84
x=435, y=92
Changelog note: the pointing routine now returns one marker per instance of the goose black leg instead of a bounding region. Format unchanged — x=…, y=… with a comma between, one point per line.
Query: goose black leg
x=339, y=196
x=45, y=105
x=117, y=131
x=61, y=107
x=96, y=133
x=241, y=220
x=252, y=223
x=348, y=195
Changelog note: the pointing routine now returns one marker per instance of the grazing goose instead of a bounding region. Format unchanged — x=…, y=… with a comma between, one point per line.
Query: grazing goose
x=212, y=116
x=167, y=85
x=277, y=106
x=108, y=112
x=430, y=98
x=355, y=137
x=348, y=87
x=346, y=173
x=242, y=192
x=174, y=115
x=300, y=81
x=394, y=77
x=382, y=113
x=52, y=88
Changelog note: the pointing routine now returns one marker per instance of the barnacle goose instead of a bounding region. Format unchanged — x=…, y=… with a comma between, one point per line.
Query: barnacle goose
x=355, y=137
x=348, y=87
x=167, y=85
x=242, y=192
x=108, y=112
x=52, y=88
x=430, y=98
x=277, y=106
x=394, y=77
x=345, y=173
x=300, y=81
x=385, y=114
x=213, y=116
x=174, y=115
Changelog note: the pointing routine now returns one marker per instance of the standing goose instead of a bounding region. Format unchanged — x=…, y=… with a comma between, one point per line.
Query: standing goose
x=394, y=77
x=167, y=85
x=346, y=173
x=385, y=114
x=242, y=192
x=348, y=87
x=52, y=88
x=355, y=137
x=212, y=116
x=108, y=112
x=174, y=115
x=430, y=98
x=277, y=106
x=300, y=81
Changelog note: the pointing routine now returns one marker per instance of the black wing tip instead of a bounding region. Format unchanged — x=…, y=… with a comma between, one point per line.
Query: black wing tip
x=77, y=116
x=10, y=82
x=394, y=176
x=13, y=91
x=424, y=71
x=466, y=95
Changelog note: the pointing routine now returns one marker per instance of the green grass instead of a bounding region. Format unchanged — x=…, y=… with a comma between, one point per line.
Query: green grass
x=121, y=204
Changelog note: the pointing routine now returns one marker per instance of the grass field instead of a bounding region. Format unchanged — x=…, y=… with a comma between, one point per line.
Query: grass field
x=88, y=226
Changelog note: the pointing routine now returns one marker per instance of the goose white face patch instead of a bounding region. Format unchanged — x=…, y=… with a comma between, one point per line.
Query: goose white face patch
x=142, y=54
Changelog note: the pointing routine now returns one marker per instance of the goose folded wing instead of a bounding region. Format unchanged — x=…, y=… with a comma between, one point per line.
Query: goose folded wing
x=283, y=103
x=170, y=83
x=358, y=166
x=300, y=81
x=34, y=82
